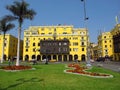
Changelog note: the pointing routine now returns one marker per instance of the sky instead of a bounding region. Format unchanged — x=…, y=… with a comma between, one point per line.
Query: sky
x=101, y=14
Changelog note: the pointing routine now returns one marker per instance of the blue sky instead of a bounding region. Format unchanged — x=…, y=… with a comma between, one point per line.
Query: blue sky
x=101, y=14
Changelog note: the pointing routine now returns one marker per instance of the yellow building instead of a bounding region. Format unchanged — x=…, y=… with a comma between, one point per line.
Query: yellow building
x=10, y=49
x=105, y=45
x=76, y=36
x=116, y=42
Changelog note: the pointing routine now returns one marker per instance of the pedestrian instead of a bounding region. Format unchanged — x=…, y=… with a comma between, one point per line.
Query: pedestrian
x=13, y=60
x=76, y=61
x=46, y=62
x=9, y=61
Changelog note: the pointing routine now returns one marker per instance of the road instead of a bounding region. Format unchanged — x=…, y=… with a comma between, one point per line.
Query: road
x=112, y=65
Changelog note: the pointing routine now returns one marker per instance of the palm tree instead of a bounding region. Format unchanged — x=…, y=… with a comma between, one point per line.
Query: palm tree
x=5, y=26
x=20, y=11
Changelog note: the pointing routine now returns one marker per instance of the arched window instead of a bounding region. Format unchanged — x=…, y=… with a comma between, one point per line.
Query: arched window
x=33, y=44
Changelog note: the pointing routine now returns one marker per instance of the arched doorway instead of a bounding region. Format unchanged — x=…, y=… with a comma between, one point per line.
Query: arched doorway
x=54, y=57
x=43, y=57
x=38, y=57
x=83, y=57
x=26, y=57
x=49, y=57
x=4, y=57
x=70, y=58
x=33, y=57
x=75, y=57
x=65, y=57
x=60, y=58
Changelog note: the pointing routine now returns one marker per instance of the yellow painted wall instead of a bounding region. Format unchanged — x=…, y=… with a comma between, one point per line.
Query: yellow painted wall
x=105, y=44
x=10, y=50
x=36, y=33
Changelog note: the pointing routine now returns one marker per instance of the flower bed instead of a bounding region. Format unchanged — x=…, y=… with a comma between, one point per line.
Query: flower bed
x=80, y=70
x=21, y=67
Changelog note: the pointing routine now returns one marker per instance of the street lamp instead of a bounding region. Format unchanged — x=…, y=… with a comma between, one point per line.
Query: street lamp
x=88, y=46
x=85, y=14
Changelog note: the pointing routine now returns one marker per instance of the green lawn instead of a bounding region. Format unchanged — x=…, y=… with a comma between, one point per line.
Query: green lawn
x=52, y=77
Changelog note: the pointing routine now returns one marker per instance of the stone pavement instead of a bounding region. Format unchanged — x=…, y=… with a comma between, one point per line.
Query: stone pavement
x=112, y=65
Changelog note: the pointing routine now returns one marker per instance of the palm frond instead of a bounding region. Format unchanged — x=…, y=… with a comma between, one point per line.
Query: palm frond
x=9, y=26
x=5, y=24
x=21, y=10
x=29, y=14
x=13, y=9
x=10, y=18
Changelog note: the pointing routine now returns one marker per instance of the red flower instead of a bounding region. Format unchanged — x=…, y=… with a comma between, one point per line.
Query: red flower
x=21, y=67
x=81, y=70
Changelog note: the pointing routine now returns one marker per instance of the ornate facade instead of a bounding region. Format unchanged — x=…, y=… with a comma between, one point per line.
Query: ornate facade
x=116, y=42
x=35, y=35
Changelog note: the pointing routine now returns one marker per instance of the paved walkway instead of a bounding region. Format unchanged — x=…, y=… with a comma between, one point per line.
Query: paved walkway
x=112, y=65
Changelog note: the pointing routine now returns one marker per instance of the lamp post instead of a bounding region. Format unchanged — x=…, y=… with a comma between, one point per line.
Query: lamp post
x=85, y=14
x=88, y=46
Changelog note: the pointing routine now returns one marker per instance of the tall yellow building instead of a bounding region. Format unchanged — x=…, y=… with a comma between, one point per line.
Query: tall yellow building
x=10, y=49
x=105, y=45
x=77, y=38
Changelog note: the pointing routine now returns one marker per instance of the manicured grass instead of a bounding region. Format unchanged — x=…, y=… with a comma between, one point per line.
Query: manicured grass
x=52, y=77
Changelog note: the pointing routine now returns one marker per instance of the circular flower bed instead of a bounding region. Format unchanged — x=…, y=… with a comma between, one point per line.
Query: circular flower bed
x=77, y=69
x=21, y=67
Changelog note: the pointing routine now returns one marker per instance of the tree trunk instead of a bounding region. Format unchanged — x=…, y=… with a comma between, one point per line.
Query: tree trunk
x=18, y=47
x=2, y=59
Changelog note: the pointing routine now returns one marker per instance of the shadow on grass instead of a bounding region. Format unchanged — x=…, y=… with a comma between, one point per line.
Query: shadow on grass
x=22, y=81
